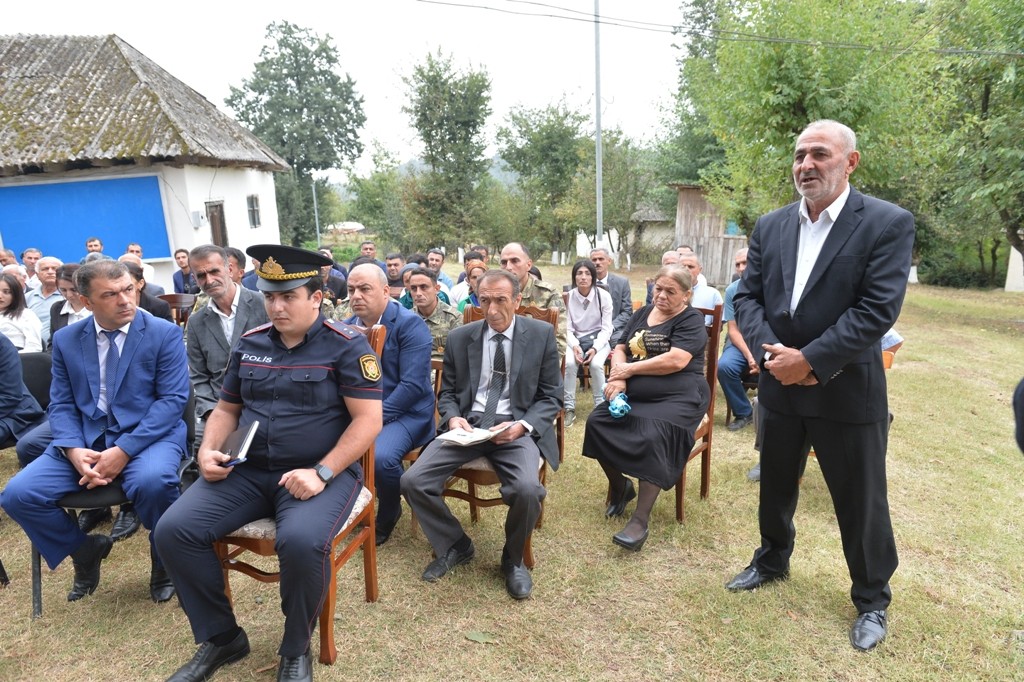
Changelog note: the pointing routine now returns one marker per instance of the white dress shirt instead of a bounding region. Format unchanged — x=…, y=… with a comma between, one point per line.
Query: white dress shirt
x=812, y=238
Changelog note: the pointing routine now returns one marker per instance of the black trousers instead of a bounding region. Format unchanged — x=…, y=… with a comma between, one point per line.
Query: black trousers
x=852, y=461
x=305, y=528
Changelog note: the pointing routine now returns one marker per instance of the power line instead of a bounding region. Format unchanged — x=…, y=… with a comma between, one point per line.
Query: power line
x=721, y=34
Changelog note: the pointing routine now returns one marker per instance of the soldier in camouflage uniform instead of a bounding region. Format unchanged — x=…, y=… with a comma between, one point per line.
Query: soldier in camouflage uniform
x=516, y=259
x=440, y=317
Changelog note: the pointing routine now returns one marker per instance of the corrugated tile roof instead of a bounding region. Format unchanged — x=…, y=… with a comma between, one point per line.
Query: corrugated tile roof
x=83, y=101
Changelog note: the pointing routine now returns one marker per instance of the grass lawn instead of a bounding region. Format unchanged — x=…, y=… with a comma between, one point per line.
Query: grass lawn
x=600, y=613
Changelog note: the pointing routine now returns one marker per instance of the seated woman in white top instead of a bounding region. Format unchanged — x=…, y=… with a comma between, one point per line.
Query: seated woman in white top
x=588, y=332
x=17, y=322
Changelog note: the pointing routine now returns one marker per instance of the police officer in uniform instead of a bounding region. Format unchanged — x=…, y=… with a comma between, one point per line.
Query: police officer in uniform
x=314, y=386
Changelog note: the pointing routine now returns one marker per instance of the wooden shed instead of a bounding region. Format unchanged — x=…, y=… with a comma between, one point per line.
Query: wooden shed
x=701, y=226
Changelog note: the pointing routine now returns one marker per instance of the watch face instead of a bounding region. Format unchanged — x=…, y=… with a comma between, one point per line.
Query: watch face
x=324, y=473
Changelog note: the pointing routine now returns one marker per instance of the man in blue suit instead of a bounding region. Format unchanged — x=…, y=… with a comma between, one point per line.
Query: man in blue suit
x=825, y=280
x=120, y=385
x=408, y=391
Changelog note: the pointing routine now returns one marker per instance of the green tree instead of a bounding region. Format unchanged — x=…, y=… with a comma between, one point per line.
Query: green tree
x=377, y=201
x=545, y=148
x=297, y=103
x=448, y=109
x=758, y=92
x=983, y=186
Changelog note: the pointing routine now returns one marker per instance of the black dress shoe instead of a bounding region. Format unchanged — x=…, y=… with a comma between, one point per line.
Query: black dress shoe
x=618, y=507
x=295, y=669
x=518, y=581
x=90, y=518
x=161, y=588
x=741, y=422
x=437, y=568
x=209, y=657
x=87, y=560
x=750, y=578
x=126, y=523
x=382, y=531
x=634, y=543
x=868, y=630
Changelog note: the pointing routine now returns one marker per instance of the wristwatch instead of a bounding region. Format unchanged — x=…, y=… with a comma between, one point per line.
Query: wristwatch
x=324, y=473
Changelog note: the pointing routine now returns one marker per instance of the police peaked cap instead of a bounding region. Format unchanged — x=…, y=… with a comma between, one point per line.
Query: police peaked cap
x=283, y=268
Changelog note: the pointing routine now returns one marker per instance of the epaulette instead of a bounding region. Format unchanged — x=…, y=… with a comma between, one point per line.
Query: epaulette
x=340, y=328
x=262, y=328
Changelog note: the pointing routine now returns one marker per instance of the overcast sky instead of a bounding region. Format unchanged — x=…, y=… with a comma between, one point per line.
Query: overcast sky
x=532, y=61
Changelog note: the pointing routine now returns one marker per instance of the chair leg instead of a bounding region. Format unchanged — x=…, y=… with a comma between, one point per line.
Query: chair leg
x=528, y=552
x=474, y=511
x=37, y=584
x=370, y=564
x=328, y=652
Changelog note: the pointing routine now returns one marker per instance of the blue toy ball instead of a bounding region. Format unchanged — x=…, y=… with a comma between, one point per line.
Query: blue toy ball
x=618, y=406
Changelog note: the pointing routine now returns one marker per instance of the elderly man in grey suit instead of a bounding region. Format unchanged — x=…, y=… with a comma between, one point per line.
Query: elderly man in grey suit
x=520, y=403
x=618, y=287
x=216, y=327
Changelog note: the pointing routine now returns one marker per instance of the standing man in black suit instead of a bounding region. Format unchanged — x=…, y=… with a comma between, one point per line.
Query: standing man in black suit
x=478, y=391
x=825, y=280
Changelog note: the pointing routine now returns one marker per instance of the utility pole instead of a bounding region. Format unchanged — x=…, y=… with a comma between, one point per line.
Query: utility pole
x=316, y=215
x=599, y=205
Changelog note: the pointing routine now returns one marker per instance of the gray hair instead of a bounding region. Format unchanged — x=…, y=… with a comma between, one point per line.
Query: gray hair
x=680, y=275
x=846, y=134
x=603, y=250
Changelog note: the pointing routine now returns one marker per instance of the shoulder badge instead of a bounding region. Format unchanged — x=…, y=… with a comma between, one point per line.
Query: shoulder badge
x=256, y=330
x=340, y=328
x=370, y=368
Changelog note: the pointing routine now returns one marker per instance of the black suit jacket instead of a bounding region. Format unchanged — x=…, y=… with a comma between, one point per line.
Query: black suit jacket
x=622, y=300
x=155, y=307
x=853, y=296
x=535, y=374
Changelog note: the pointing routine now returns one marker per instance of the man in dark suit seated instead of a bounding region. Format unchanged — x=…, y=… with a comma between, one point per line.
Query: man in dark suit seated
x=154, y=306
x=120, y=384
x=408, y=392
x=825, y=280
x=619, y=288
x=478, y=391
x=214, y=329
x=19, y=411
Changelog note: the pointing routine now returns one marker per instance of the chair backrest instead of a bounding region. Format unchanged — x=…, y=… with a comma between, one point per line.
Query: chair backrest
x=375, y=335
x=181, y=306
x=36, y=370
x=711, y=352
x=549, y=315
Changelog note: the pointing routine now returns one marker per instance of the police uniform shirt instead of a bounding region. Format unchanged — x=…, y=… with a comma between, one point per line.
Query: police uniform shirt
x=298, y=393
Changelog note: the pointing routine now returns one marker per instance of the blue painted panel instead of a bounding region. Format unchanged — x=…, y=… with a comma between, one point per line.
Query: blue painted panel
x=57, y=218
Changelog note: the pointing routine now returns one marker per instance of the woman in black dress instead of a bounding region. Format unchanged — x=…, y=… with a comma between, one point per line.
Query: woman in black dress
x=658, y=363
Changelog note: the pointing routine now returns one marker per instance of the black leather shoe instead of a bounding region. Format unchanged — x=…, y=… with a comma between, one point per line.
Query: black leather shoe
x=87, y=560
x=437, y=568
x=161, y=588
x=518, y=581
x=618, y=507
x=295, y=669
x=633, y=543
x=90, y=518
x=741, y=422
x=868, y=630
x=750, y=579
x=382, y=531
x=209, y=657
x=126, y=523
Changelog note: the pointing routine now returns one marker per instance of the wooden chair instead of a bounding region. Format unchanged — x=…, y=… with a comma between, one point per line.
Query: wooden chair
x=181, y=306
x=259, y=536
x=479, y=471
x=703, y=436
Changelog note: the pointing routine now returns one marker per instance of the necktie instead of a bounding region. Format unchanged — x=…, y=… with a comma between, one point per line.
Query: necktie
x=497, y=382
x=113, y=358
